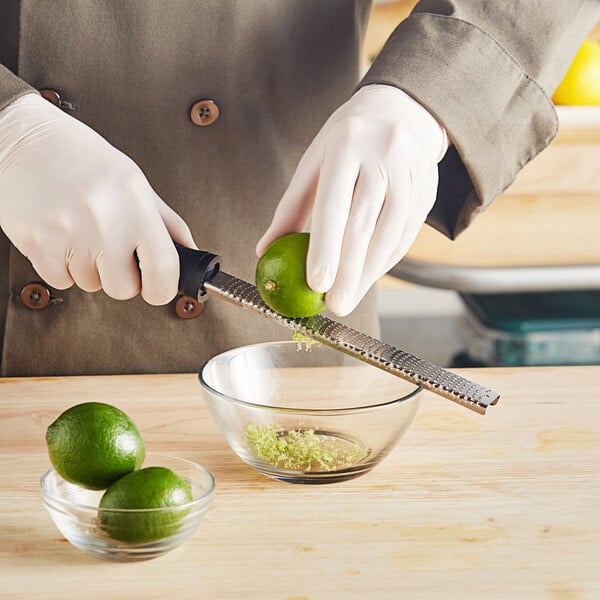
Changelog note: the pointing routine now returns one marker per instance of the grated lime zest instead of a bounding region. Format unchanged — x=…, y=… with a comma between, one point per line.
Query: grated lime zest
x=304, y=341
x=301, y=449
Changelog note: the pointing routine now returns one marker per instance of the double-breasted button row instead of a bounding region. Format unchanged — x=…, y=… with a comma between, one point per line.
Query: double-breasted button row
x=37, y=296
x=203, y=112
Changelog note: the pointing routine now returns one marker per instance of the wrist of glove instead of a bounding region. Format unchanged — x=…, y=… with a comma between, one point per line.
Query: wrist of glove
x=80, y=210
x=366, y=185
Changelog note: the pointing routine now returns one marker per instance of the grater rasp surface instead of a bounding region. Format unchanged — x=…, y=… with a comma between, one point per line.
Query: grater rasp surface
x=361, y=346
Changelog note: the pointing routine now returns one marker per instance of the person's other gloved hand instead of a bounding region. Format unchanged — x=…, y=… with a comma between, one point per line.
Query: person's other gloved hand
x=80, y=210
x=366, y=184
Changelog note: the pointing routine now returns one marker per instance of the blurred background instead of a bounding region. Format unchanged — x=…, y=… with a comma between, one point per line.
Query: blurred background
x=549, y=217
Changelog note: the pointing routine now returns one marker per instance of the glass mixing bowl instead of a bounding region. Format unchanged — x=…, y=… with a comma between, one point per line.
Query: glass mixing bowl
x=306, y=415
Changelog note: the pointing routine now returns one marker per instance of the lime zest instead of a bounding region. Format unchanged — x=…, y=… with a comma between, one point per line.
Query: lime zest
x=302, y=449
x=304, y=341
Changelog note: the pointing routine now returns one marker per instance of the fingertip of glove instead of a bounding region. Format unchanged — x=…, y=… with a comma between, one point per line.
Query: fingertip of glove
x=340, y=305
x=320, y=279
x=262, y=245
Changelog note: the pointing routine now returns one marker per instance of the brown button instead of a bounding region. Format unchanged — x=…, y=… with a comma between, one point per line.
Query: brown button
x=204, y=112
x=35, y=296
x=188, y=308
x=51, y=95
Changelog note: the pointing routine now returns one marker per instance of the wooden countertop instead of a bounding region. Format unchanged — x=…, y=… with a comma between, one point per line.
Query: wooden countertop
x=505, y=505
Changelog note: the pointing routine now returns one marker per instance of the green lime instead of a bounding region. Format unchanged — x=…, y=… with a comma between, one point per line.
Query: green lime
x=281, y=278
x=148, y=488
x=93, y=444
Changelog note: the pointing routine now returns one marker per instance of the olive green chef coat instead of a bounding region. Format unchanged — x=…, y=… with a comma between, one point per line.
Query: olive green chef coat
x=276, y=69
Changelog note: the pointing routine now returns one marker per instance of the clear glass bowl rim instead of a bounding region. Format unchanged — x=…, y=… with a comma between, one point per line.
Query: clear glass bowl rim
x=49, y=496
x=291, y=409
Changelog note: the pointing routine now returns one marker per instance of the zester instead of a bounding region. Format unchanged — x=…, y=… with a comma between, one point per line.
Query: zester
x=201, y=276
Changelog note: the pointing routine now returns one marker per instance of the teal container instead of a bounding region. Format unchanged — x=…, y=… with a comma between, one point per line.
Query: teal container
x=538, y=328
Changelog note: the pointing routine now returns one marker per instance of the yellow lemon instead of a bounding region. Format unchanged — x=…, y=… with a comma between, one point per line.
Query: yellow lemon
x=581, y=84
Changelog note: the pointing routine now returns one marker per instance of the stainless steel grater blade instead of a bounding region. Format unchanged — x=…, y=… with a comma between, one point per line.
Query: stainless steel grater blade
x=358, y=345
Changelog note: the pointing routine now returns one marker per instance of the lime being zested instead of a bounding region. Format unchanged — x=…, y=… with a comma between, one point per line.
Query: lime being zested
x=281, y=278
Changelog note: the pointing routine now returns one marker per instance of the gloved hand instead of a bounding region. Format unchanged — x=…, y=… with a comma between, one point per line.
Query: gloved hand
x=366, y=183
x=79, y=209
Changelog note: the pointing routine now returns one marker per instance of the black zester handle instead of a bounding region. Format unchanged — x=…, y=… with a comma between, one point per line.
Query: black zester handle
x=361, y=346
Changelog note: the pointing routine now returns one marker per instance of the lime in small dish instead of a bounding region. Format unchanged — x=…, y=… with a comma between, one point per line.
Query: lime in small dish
x=179, y=492
x=93, y=444
x=306, y=415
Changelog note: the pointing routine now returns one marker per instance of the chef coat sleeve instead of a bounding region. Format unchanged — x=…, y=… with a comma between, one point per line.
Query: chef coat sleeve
x=11, y=87
x=486, y=71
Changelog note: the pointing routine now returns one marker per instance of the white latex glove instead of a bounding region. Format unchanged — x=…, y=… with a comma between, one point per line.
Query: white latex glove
x=79, y=209
x=366, y=184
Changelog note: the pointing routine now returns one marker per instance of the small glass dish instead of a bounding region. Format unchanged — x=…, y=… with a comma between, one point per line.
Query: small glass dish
x=306, y=415
x=76, y=513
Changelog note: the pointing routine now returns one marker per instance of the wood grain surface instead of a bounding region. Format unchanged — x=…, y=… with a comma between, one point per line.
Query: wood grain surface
x=505, y=505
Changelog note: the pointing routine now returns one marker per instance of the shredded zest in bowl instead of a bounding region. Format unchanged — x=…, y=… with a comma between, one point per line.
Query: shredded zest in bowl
x=302, y=449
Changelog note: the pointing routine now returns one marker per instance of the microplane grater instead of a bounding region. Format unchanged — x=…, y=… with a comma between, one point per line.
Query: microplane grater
x=201, y=276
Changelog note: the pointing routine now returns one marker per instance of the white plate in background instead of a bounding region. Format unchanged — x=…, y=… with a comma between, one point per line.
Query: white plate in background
x=578, y=116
